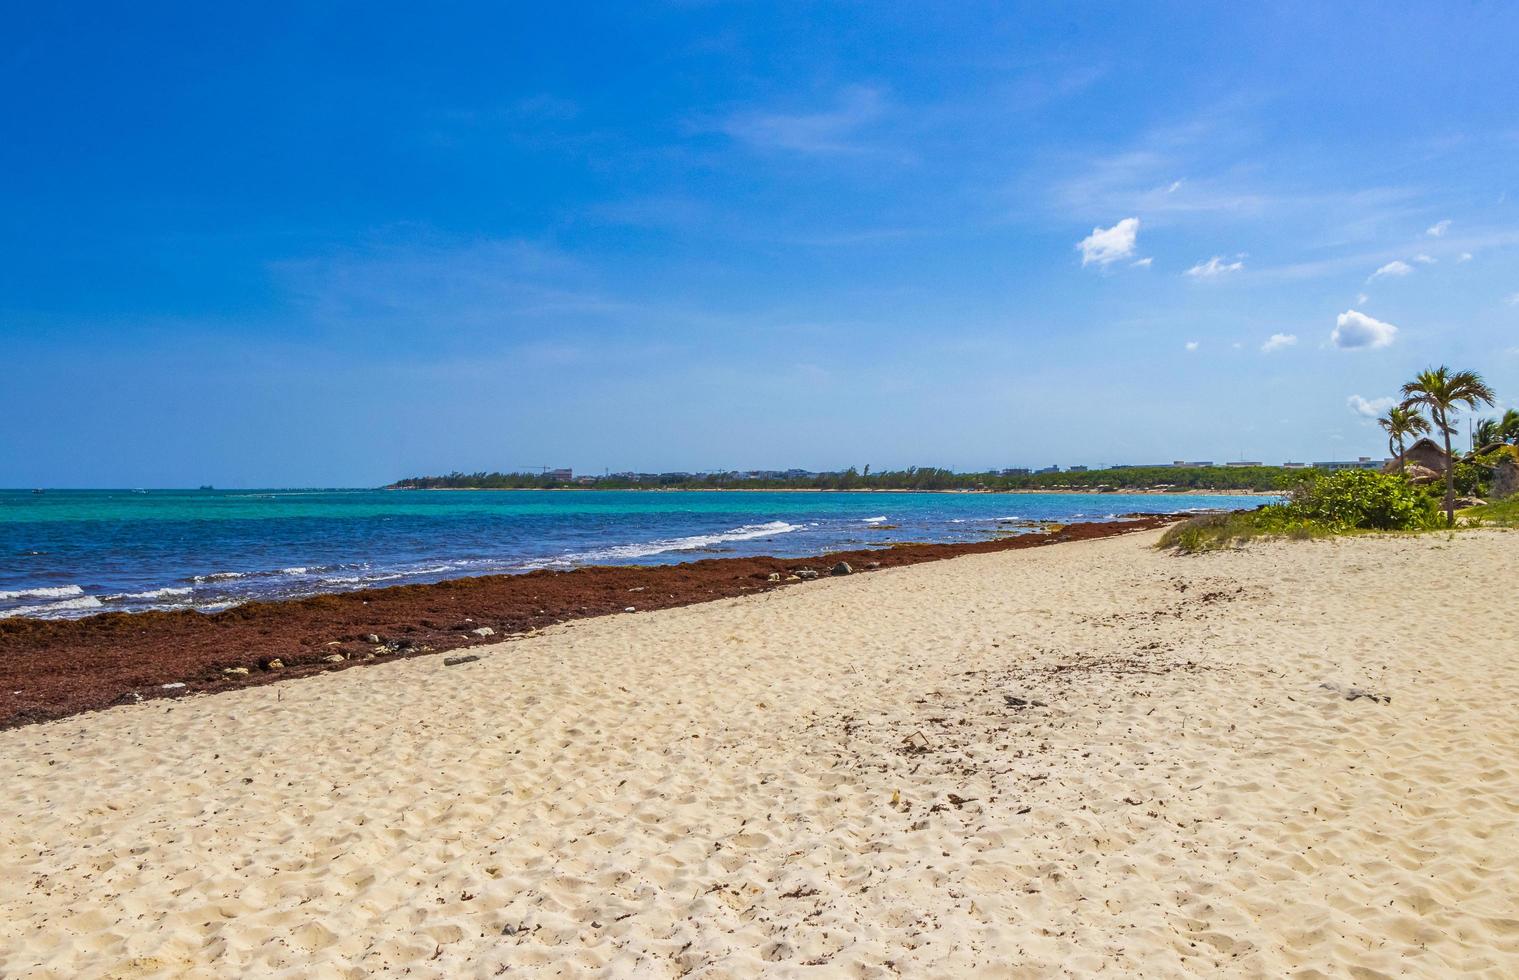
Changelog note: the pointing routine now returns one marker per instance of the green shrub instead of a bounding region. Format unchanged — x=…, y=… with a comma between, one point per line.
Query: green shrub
x=1471, y=479
x=1474, y=479
x=1349, y=500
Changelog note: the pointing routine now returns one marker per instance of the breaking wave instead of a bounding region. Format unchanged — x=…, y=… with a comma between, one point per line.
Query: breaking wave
x=50, y=592
x=694, y=542
x=50, y=610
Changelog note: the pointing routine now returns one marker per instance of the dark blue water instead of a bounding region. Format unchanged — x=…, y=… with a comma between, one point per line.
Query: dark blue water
x=68, y=553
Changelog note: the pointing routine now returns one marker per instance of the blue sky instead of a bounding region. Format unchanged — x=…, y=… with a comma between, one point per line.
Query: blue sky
x=328, y=244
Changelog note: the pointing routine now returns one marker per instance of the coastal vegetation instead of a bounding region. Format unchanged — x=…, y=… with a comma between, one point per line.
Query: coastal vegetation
x=1256, y=478
x=1321, y=505
x=1409, y=498
x=1499, y=513
x=1441, y=391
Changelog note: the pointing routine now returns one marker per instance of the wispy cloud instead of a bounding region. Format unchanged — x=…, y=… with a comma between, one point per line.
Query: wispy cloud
x=1352, y=261
x=1279, y=341
x=835, y=130
x=1215, y=267
x=1397, y=267
x=1354, y=330
x=1105, y=246
x=1191, y=345
x=1369, y=407
x=1438, y=229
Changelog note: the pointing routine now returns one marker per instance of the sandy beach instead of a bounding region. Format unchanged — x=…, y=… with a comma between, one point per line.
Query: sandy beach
x=1084, y=758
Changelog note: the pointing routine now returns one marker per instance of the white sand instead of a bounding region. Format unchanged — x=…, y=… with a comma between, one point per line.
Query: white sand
x=710, y=790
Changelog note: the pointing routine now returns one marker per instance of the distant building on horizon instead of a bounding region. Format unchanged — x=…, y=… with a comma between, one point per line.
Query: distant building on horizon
x=564, y=475
x=1360, y=463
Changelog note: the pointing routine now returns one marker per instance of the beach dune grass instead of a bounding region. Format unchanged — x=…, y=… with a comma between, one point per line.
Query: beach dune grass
x=1323, y=504
x=1215, y=532
x=1499, y=513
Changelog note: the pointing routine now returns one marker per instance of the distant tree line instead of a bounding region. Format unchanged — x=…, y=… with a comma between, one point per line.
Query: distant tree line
x=1265, y=478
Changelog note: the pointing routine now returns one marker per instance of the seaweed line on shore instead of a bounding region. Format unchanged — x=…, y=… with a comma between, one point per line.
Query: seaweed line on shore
x=51, y=669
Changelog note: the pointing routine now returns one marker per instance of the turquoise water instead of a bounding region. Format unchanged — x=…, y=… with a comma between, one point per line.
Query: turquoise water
x=69, y=553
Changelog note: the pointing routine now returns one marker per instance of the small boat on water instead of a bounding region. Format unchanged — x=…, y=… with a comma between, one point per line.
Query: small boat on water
x=39, y=490
x=207, y=486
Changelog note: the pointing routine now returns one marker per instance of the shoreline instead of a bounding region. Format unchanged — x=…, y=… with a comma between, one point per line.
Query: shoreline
x=1135, y=491
x=51, y=669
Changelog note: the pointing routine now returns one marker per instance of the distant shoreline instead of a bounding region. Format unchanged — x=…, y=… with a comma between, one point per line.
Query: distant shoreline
x=1200, y=492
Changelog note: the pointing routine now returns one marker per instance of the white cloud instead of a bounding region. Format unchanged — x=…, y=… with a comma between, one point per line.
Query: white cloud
x=1438, y=229
x=1396, y=267
x=1423, y=259
x=1107, y=245
x=1354, y=330
x=1215, y=266
x=1144, y=263
x=1513, y=299
x=1369, y=407
x=1175, y=186
x=1362, y=298
x=1464, y=257
x=1279, y=340
x=1192, y=345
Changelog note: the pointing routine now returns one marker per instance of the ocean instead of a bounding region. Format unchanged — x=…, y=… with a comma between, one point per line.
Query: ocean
x=72, y=553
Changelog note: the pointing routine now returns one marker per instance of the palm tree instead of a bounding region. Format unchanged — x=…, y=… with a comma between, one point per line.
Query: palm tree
x=1489, y=431
x=1441, y=390
x=1508, y=426
x=1401, y=422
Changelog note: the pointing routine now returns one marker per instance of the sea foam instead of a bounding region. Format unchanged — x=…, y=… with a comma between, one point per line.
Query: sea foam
x=693, y=542
x=49, y=610
x=47, y=592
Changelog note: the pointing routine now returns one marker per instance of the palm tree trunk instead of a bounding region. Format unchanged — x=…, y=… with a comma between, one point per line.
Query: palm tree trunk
x=1402, y=463
x=1450, y=478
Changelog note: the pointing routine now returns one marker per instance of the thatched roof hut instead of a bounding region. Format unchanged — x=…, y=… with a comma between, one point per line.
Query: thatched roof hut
x=1426, y=453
